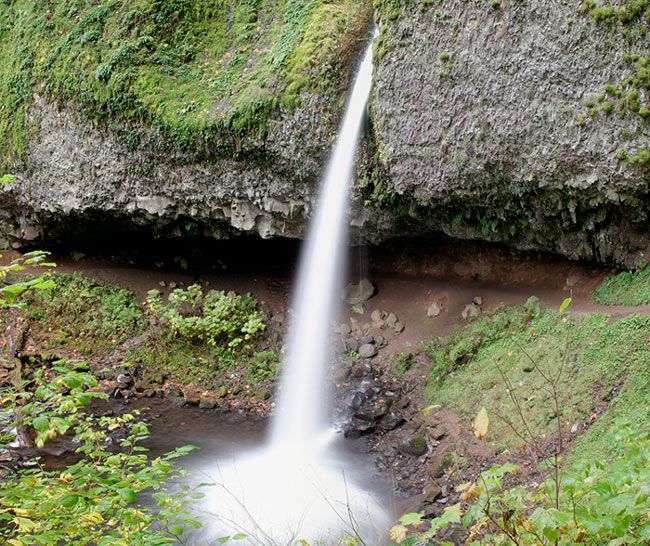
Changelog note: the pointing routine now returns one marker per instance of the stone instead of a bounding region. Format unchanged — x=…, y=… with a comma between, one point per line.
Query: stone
x=338, y=346
x=125, y=379
x=432, y=491
x=345, y=329
x=352, y=344
x=377, y=316
x=367, y=350
x=359, y=309
x=356, y=427
x=390, y=422
x=391, y=320
x=341, y=373
x=355, y=294
x=478, y=300
x=399, y=328
x=191, y=397
x=415, y=446
x=208, y=402
x=471, y=311
x=440, y=465
x=438, y=434
x=140, y=386
x=263, y=394
x=434, y=309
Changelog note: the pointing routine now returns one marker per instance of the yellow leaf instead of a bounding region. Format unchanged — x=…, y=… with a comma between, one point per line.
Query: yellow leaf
x=398, y=533
x=481, y=423
x=471, y=494
x=22, y=512
x=14, y=542
x=93, y=518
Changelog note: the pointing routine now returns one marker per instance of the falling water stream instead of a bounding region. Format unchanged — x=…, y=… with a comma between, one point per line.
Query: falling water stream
x=296, y=487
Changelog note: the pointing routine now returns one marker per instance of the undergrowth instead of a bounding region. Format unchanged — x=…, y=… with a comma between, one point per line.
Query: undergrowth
x=626, y=288
x=466, y=371
x=84, y=314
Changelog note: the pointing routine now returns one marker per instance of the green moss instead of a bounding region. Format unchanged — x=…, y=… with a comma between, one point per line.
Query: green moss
x=626, y=288
x=401, y=363
x=193, y=69
x=465, y=369
x=607, y=107
x=631, y=18
x=85, y=315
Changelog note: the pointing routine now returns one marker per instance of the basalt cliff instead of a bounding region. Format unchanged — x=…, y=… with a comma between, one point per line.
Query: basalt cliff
x=521, y=122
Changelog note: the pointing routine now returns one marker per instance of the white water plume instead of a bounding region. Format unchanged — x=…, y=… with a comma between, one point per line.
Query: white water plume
x=296, y=487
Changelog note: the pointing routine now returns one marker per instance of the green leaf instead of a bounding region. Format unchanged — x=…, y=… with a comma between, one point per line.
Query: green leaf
x=565, y=304
x=41, y=424
x=412, y=518
x=127, y=494
x=176, y=529
x=72, y=381
x=69, y=501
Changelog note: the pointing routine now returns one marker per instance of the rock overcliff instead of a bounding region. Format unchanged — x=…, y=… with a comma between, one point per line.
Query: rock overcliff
x=510, y=122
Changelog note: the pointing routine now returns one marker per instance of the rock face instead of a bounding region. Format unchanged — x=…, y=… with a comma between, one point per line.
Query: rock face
x=478, y=125
x=75, y=171
x=479, y=117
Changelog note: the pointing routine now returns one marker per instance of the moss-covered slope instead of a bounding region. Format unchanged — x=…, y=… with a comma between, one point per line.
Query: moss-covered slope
x=192, y=68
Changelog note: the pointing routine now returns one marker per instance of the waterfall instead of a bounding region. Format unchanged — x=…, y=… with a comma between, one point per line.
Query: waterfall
x=296, y=487
x=300, y=415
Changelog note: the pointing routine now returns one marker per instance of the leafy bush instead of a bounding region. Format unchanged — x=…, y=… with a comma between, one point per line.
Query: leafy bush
x=95, y=500
x=92, y=501
x=12, y=289
x=262, y=366
x=600, y=502
x=87, y=315
x=215, y=318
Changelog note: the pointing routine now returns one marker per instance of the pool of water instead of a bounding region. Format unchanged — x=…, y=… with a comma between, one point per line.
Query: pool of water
x=274, y=498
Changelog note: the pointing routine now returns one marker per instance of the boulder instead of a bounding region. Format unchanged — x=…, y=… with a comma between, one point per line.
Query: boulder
x=191, y=397
x=434, y=309
x=471, y=311
x=355, y=294
x=367, y=350
x=415, y=446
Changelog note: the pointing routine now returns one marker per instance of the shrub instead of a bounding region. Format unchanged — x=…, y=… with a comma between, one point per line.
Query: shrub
x=215, y=318
x=95, y=500
x=600, y=502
